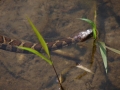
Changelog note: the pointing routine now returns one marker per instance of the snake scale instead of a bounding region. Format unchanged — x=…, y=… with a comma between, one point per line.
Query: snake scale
x=9, y=44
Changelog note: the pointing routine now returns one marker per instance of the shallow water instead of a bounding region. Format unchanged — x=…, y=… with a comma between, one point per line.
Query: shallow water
x=57, y=19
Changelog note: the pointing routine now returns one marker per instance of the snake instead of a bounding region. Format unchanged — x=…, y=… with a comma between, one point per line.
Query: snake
x=11, y=45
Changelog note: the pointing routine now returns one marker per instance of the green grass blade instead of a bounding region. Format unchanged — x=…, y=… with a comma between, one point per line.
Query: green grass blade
x=89, y=21
x=40, y=38
x=103, y=54
x=112, y=49
x=93, y=26
x=36, y=53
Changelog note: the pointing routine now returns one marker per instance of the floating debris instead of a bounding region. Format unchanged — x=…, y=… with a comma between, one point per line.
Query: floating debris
x=84, y=68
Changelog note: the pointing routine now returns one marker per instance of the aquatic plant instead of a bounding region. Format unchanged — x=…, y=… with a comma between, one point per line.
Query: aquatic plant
x=101, y=44
x=45, y=48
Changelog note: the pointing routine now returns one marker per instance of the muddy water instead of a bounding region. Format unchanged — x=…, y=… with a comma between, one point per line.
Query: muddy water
x=56, y=19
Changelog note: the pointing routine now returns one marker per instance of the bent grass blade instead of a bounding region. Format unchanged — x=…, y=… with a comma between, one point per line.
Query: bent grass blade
x=103, y=53
x=114, y=50
x=36, y=53
x=40, y=38
x=42, y=42
x=93, y=26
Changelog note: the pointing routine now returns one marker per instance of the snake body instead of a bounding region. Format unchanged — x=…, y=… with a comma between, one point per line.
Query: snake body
x=9, y=44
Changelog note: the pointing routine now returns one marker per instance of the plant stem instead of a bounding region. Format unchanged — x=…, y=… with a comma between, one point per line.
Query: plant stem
x=57, y=78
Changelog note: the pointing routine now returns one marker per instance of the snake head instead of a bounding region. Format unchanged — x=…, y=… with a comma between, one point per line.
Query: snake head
x=82, y=36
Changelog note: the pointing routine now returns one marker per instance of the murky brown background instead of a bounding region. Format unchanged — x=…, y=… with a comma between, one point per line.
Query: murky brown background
x=57, y=19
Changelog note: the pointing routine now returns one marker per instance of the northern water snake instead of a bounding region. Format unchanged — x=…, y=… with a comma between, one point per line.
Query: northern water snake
x=9, y=44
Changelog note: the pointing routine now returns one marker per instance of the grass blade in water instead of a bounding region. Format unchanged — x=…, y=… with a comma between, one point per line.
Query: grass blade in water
x=36, y=53
x=112, y=49
x=93, y=26
x=40, y=38
x=103, y=54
